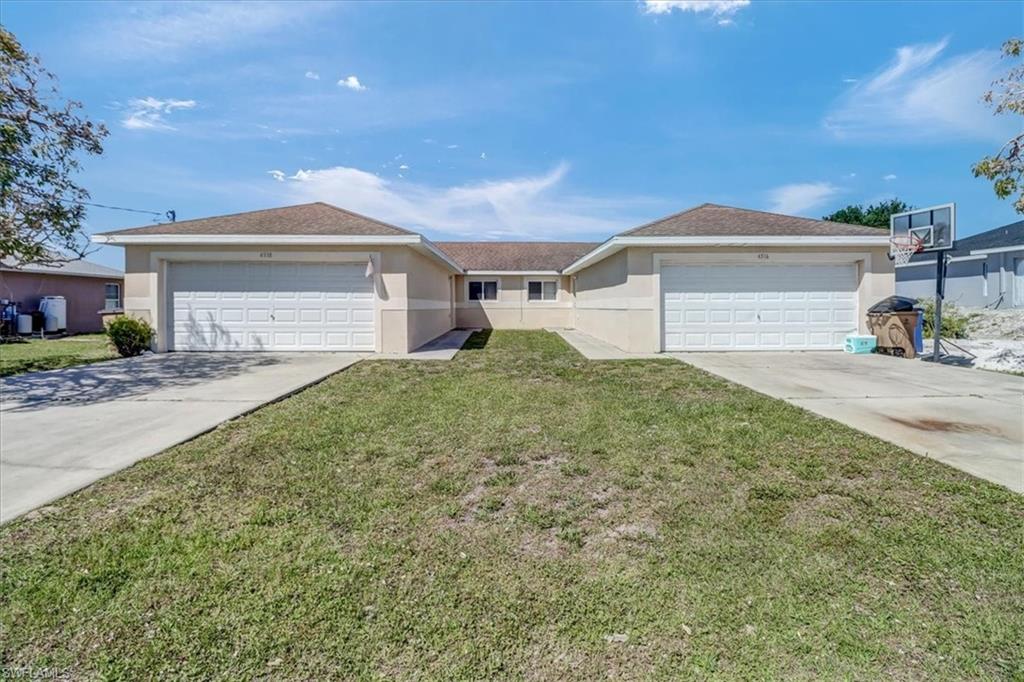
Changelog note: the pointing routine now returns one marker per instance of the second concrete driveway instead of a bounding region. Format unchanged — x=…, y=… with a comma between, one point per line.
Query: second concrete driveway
x=967, y=418
x=62, y=430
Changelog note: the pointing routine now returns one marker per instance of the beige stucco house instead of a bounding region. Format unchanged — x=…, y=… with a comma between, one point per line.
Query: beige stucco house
x=317, y=277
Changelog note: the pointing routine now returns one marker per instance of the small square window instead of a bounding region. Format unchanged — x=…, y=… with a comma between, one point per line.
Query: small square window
x=541, y=291
x=111, y=296
x=483, y=291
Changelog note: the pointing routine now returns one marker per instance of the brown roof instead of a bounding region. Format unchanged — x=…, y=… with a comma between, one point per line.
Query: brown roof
x=316, y=218
x=506, y=256
x=713, y=220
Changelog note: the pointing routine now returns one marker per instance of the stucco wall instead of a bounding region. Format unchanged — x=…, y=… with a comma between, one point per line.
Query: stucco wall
x=400, y=327
x=966, y=283
x=428, y=287
x=512, y=309
x=85, y=296
x=603, y=299
x=618, y=299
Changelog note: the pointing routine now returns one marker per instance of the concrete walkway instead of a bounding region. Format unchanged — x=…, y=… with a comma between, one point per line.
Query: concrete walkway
x=969, y=419
x=443, y=347
x=64, y=429
x=595, y=349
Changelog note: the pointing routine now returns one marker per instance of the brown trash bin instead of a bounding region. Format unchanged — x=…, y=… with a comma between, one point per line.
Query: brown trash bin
x=895, y=333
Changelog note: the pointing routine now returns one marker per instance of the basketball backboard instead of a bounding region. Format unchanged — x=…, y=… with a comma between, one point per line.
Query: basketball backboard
x=935, y=227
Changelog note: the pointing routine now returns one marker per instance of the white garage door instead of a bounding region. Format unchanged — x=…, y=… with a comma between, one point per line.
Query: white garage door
x=229, y=306
x=758, y=307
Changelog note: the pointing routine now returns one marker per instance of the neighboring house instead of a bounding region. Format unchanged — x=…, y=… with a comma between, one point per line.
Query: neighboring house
x=87, y=288
x=985, y=269
x=316, y=277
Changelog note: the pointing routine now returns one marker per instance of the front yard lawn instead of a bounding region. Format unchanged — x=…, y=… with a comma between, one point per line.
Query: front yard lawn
x=41, y=354
x=521, y=512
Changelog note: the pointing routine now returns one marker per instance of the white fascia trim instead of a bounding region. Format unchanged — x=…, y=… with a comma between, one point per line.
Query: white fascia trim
x=616, y=244
x=260, y=239
x=956, y=259
x=431, y=249
x=498, y=273
x=60, y=273
x=413, y=240
x=1000, y=249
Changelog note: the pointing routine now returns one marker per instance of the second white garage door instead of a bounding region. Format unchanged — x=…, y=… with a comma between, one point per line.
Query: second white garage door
x=758, y=307
x=236, y=306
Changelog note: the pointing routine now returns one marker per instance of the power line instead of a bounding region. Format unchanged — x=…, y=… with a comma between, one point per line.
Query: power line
x=118, y=208
x=170, y=215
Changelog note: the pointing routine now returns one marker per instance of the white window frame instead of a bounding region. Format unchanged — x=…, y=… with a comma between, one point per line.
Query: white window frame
x=106, y=300
x=483, y=281
x=542, y=281
x=984, y=278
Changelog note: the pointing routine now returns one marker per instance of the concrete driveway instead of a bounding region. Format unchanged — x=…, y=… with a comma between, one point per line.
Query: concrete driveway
x=62, y=430
x=969, y=419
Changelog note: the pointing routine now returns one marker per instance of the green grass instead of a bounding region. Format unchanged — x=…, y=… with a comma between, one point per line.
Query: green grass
x=521, y=512
x=37, y=355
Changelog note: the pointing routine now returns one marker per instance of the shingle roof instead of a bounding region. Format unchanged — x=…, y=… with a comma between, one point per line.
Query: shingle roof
x=713, y=220
x=1007, y=235
x=314, y=219
x=512, y=256
x=74, y=268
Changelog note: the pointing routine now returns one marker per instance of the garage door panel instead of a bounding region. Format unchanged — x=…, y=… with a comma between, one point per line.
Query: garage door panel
x=307, y=315
x=795, y=316
x=846, y=317
x=362, y=316
x=338, y=315
x=228, y=315
x=278, y=306
x=757, y=307
x=285, y=315
x=720, y=317
x=362, y=339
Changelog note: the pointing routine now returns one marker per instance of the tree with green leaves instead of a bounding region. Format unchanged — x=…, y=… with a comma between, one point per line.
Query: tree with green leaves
x=41, y=139
x=1006, y=168
x=875, y=215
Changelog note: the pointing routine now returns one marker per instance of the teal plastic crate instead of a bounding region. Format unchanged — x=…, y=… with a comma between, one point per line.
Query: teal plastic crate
x=860, y=343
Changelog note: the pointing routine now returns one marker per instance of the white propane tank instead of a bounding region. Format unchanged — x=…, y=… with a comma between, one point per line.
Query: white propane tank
x=25, y=324
x=54, y=307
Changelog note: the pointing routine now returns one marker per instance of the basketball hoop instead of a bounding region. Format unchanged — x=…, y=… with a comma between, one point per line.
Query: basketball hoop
x=903, y=247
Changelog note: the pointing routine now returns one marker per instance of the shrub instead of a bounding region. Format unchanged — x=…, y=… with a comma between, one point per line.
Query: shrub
x=955, y=323
x=129, y=335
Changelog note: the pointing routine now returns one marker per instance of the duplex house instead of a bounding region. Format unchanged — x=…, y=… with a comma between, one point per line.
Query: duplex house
x=985, y=269
x=318, y=277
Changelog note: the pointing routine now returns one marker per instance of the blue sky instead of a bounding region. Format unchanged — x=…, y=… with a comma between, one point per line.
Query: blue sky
x=529, y=120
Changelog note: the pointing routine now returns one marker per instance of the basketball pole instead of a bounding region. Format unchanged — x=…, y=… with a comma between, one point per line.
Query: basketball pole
x=940, y=291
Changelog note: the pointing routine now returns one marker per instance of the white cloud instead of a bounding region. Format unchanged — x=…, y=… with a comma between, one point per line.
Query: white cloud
x=890, y=176
x=920, y=95
x=796, y=198
x=352, y=83
x=168, y=31
x=277, y=175
x=483, y=155
x=726, y=22
x=453, y=146
x=850, y=80
x=312, y=75
x=148, y=113
x=525, y=207
x=714, y=7
x=403, y=167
